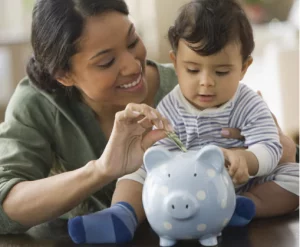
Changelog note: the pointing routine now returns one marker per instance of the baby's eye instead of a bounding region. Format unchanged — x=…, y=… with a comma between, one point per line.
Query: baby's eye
x=192, y=71
x=222, y=73
x=195, y=174
x=169, y=175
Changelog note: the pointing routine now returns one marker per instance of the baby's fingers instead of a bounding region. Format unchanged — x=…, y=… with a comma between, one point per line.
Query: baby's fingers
x=240, y=177
x=233, y=167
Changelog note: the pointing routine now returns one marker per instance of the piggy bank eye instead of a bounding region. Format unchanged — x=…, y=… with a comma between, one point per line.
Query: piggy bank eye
x=195, y=174
x=169, y=175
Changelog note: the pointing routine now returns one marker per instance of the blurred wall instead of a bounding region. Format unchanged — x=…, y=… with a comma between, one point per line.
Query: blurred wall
x=154, y=17
x=275, y=68
x=14, y=54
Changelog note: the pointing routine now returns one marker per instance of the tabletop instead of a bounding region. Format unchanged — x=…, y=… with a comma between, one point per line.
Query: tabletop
x=273, y=232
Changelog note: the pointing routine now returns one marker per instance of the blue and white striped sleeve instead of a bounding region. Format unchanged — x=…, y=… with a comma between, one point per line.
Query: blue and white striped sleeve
x=260, y=132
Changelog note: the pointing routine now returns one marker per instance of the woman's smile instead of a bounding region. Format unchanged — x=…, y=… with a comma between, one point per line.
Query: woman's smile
x=134, y=86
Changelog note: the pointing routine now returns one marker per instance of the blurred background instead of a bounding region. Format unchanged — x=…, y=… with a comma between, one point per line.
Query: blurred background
x=275, y=71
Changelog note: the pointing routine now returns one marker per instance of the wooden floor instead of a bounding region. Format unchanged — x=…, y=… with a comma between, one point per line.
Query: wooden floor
x=275, y=232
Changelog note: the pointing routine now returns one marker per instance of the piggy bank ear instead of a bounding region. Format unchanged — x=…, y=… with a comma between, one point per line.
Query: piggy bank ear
x=211, y=156
x=155, y=156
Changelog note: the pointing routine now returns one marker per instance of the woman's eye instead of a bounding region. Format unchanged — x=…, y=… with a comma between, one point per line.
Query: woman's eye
x=107, y=65
x=222, y=73
x=133, y=44
x=193, y=71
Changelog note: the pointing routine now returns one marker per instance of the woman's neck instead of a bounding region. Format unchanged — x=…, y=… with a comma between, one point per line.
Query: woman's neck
x=104, y=112
x=105, y=115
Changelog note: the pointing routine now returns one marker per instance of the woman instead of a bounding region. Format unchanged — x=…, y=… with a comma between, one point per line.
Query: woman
x=81, y=119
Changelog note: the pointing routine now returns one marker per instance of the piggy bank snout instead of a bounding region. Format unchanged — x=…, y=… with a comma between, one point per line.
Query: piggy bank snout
x=181, y=205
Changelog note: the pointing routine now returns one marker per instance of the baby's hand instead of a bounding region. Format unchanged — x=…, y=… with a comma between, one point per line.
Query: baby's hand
x=236, y=165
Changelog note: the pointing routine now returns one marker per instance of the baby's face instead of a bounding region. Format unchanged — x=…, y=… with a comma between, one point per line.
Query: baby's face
x=209, y=81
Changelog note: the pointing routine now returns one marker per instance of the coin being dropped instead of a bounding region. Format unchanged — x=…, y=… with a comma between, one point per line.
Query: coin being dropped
x=175, y=138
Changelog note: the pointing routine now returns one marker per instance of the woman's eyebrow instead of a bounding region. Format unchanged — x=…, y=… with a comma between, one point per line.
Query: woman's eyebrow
x=100, y=53
x=109, y=50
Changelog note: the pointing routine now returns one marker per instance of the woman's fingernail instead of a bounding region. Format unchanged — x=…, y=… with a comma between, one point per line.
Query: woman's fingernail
x=153, y=114
x=170, y=128
x=161, y=124
x=136, y=113
x=225, y=132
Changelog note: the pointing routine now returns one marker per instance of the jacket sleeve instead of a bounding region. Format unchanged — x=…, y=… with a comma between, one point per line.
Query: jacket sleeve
x=25, y=147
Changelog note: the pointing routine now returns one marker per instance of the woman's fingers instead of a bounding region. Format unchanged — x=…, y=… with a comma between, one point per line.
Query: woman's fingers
x=146, y=114
x=159, y=121
x=152, y=137
x=145, y=123
x=232, y=133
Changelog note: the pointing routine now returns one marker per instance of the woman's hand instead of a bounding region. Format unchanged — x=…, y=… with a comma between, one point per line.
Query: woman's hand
x=288, y=145
x=131, y=136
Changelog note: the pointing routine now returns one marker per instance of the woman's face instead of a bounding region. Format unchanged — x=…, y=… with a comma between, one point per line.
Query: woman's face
x=109, y=69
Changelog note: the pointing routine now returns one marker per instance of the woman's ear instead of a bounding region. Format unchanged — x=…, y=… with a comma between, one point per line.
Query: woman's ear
x=65, y=79
x=245, y=67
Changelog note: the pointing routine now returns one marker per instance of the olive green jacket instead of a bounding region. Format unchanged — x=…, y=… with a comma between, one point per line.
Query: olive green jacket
x=49, y=133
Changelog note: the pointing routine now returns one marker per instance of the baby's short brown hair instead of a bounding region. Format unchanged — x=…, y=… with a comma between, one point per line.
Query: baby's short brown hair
x=211, y=25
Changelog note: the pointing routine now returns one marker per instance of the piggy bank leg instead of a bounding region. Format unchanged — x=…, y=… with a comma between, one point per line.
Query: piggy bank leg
x=166, y=242
x=211, y=241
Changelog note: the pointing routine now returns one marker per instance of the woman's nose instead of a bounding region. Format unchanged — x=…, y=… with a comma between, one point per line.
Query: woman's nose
x=130, y=65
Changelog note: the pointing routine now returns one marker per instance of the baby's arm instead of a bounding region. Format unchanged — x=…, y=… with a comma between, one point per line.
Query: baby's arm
x=261, y=134
x=262, y=140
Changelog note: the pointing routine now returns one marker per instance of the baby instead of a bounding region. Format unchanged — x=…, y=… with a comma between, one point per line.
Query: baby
x=212, y=42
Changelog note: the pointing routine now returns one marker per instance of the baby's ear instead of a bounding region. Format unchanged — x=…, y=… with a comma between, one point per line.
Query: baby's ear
x=211, y=156
x=154, y=157
x=246, y=65
x=172, y=55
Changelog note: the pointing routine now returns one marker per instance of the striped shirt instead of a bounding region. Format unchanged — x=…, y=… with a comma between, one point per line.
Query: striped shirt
x=246, y=111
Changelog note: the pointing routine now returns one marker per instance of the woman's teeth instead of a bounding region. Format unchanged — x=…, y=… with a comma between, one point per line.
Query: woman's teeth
x=132, y=84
